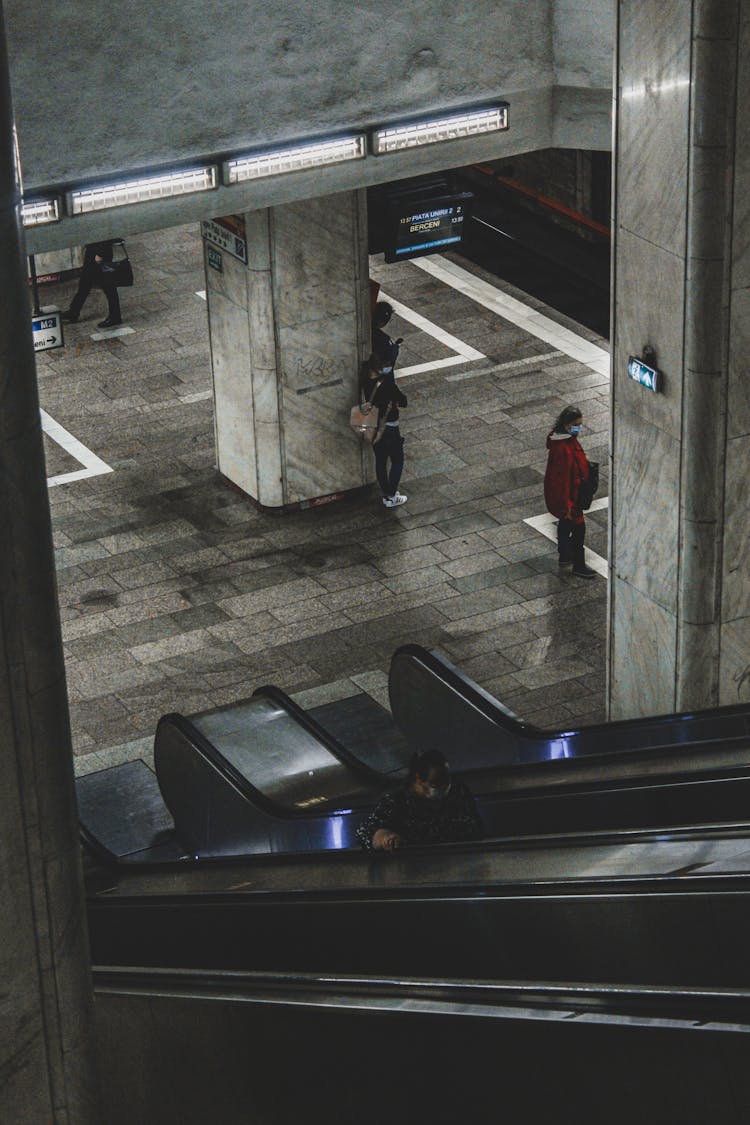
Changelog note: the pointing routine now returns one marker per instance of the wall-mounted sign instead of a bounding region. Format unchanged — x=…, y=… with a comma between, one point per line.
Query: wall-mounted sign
x=647, y=376
x=425, y=226
x=47, y=331
x=213, y=258
x=228, y=233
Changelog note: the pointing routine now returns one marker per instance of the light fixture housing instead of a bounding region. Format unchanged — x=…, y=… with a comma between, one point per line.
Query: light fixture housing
x=296, y=158
x=35, y=212
x=141, y=189
x=453, y=127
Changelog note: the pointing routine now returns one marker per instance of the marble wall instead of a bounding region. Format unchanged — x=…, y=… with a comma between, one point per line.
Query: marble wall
x=46, y=1001
x=288, y=333
x=735, y=607
x=679, y=595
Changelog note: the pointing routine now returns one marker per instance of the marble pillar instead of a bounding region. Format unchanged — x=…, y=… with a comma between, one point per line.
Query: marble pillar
x=46, y=1004
x=289, y=330
x=680, y=502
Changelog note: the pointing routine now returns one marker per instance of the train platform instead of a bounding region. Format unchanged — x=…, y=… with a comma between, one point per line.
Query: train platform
x=176, y=594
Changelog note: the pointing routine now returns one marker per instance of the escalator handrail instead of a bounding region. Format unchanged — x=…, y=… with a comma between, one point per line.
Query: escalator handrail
x=331, y=743
x=490, y=707
x=350, y=857
x=585, y=993
x=232, y=775
x=504, y=718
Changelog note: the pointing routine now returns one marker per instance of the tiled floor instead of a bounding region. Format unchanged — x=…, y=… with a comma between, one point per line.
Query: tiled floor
x=176, y=594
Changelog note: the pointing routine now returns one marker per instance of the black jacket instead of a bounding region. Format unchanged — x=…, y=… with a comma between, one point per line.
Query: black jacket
x=421, y=821
x=387, y=394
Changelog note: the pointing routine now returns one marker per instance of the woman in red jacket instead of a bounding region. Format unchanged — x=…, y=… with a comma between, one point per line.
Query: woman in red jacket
x=567, y=468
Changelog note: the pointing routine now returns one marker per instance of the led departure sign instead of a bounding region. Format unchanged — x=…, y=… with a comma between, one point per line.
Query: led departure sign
x=426, y=226
x=647, y=376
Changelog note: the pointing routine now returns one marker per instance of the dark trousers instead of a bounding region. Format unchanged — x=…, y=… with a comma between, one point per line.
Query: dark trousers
x=570, y=537
x=89, y=280
x=389, y=448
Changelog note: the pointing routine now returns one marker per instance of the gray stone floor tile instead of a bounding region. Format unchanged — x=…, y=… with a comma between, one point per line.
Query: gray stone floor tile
x=487, y=559
x=155, y=606
x=371, y=609
x=554, y=672
x=526, y=549
x=480, y=622
x=538, y=586
x=327, y=693
x=462, y=606
x=486, y=667
x=414, y=580
x=397, y=562
x=564, y=692
x=497, y=576
x=176, y=645
x=462, y=525
x=246, y=604
x=469, y=544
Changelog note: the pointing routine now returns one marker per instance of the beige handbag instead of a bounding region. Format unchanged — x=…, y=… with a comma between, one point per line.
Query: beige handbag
x=363, y=419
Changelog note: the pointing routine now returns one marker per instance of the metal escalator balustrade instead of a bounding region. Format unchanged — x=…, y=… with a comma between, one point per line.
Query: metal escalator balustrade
x=259, y=776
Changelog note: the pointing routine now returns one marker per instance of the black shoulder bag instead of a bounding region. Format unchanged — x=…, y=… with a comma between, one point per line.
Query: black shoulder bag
x=588, y=488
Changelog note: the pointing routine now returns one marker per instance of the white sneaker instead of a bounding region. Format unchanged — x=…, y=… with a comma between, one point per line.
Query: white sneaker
x=395, y=501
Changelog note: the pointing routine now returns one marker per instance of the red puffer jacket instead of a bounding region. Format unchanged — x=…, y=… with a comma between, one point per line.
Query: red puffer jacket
x=567, y=467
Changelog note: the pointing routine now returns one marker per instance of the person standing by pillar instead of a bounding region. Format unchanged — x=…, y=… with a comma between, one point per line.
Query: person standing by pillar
x=567, y=469
x=380, y=389
x=93, y=275
x=382, y=344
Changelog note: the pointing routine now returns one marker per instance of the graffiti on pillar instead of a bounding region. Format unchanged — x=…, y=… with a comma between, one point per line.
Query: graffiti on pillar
x=316, y=372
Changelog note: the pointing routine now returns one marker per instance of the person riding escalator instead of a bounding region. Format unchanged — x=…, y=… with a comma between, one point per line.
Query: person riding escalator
x=430, y=808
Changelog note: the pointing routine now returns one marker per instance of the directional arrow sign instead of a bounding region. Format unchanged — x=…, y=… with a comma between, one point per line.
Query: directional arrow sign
x=47, y=331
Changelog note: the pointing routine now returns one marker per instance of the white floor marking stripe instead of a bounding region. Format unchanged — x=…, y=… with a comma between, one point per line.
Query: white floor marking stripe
x=431, y=365
x=93, y=466
x=196, y=396
x=532, y=321
x=546, y=525
x=111, y=333
x=464, y=352
x=201, y=293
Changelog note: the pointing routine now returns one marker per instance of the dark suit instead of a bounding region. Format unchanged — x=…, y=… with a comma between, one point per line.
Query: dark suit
x=93, y=277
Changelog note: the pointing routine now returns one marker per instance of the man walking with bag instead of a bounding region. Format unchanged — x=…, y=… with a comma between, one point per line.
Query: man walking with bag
x=97, y=264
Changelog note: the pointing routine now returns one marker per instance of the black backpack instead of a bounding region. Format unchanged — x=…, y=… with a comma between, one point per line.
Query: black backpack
x=588, y=488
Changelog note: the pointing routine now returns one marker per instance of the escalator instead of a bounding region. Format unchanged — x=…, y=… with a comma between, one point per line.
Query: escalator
x=587, y=970
x=667, y=770
x=191, y=1049
x=525, y=975
x=263, y=775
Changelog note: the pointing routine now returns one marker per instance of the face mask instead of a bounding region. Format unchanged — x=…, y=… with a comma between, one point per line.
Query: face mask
x=436, y=793
x=574, y=430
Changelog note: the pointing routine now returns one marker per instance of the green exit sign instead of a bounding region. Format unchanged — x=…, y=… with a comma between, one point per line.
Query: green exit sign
x=647, y=376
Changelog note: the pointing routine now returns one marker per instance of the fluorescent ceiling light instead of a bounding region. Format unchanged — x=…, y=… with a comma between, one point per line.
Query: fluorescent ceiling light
x=38, y=211
x=142, y=189
x=294, y=159
x=393, y=138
